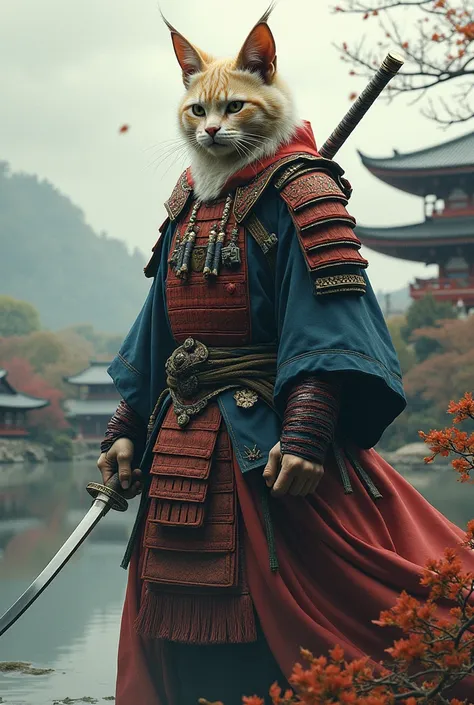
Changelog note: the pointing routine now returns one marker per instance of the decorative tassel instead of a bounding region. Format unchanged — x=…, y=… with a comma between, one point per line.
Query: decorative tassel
x=197, y=619
x=217, y=255
x=346, y=480
x=188, y=251
x=269, y=531
x=187, y=244
x=211, y=247
x=366, y=479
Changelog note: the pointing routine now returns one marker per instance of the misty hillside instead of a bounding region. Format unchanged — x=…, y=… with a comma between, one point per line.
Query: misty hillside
x=50, y=257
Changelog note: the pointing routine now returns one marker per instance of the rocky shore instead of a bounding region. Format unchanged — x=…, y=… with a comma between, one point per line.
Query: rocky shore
x=23, y=451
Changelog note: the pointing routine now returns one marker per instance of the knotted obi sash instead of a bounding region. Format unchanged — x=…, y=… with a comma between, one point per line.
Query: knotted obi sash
x=197, y=373
x=195, y=589
x=216, y=310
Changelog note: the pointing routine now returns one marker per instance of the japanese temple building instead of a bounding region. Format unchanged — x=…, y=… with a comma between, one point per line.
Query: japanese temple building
x=97, y=400
x=443, y=176
x=14, y=408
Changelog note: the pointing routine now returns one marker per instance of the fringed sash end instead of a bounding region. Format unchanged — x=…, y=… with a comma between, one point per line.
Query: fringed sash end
x=193, y=619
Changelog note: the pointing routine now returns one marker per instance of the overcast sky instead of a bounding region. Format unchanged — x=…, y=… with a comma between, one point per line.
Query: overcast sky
x=73, y=71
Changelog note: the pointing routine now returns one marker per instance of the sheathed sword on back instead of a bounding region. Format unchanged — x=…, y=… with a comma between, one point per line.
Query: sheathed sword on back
x=109, y=496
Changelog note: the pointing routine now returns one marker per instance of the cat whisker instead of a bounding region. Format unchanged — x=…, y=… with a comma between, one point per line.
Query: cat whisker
x=158, y=145
x=250, y=149
x=260, y=137
x=176, y=150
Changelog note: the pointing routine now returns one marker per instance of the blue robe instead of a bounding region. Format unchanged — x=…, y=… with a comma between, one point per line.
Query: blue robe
x=338, y=333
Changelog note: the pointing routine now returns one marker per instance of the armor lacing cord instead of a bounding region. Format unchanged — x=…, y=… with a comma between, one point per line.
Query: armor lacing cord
x=125, y=423
x=311, y=415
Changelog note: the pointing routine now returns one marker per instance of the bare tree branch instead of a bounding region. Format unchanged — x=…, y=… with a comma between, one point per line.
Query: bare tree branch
x=438, y=44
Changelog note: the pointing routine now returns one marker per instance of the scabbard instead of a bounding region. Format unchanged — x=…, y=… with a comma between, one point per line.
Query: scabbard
x=390, y=66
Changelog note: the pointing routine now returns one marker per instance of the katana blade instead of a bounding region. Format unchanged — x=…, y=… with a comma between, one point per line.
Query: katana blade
x=106, y=497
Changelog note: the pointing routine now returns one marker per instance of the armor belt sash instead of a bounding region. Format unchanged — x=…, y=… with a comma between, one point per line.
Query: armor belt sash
x=196, y=374
x=195, y=589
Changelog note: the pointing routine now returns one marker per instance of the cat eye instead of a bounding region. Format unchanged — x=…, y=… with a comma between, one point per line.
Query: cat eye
x=198, y=110
x=235, y=106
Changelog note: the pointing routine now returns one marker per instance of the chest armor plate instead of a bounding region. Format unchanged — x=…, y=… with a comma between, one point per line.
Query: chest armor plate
x=215, y=310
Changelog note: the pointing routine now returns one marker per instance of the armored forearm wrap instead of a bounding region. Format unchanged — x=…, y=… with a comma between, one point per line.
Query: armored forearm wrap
x=310, y=419
x=125, y=423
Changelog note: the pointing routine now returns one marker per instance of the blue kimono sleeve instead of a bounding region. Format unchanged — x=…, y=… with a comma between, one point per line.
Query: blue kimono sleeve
x=344, y=334
x=138, y=370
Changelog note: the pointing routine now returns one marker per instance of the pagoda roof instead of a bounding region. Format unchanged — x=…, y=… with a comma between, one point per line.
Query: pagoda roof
x=442, y=231
x=434, y=170
x=90, y=407
x=11, y=399
x=96, y=373
x=418, y=242
x=458, y=152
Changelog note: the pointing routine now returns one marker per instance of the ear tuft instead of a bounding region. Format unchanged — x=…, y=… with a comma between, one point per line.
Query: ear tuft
x=258, y=53
x=189, y=58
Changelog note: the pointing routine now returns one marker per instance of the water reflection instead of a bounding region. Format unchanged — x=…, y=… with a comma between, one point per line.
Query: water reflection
x=73, y=627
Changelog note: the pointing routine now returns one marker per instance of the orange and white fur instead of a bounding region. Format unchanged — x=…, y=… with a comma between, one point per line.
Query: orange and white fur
x=234, y=111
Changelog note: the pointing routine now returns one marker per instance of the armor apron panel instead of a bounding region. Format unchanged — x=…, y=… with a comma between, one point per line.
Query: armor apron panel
x=215, y=310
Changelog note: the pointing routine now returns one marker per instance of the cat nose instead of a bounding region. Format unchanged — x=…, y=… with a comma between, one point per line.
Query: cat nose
x=212, y=131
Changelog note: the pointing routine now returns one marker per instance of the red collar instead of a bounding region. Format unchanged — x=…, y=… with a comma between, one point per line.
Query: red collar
x=302, y=141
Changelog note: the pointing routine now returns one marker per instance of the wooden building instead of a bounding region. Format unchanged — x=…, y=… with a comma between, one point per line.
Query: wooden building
x=96, y=401
x=14, y=408
x=443, y=176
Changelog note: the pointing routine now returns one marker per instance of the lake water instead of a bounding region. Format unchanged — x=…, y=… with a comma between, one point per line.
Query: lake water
x=73, y=627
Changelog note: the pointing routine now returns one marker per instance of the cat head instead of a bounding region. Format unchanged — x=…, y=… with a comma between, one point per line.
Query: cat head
x=234, y=111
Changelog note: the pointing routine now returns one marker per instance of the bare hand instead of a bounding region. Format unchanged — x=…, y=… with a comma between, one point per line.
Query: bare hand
x=289, y=474
x=119, y=459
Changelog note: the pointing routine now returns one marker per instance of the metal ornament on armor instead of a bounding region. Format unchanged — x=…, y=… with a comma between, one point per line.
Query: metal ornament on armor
x=181, y=257
x=186, y=258
x=183, y=384
x=245, y=398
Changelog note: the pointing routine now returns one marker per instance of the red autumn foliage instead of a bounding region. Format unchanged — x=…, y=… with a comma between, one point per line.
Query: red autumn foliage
x=448, y=372
x=434, y=653
x=437, y=40
x=22, y=377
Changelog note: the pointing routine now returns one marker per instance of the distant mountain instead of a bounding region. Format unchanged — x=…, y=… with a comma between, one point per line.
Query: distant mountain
x=50, y=257
x=394, y=302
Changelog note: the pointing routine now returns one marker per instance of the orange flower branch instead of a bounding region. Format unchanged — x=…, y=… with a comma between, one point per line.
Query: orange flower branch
x=434, y=653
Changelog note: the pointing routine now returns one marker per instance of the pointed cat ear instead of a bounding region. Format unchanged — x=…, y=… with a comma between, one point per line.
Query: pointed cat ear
x=258, y=53
x=189, y=58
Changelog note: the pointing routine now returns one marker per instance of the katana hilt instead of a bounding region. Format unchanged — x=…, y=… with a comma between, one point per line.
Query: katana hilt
x=110, y=493
x=389, y=68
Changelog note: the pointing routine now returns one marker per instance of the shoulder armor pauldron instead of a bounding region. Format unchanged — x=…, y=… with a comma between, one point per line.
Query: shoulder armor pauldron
x=317, y=198
x=247, y=196
x=174, y=205
x=178, y=199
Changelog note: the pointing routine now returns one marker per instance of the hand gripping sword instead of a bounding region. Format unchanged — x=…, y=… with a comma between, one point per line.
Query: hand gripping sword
x=109, y=496
x=105, y=497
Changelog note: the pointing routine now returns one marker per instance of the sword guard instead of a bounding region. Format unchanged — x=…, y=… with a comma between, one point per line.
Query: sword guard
x=111, y=493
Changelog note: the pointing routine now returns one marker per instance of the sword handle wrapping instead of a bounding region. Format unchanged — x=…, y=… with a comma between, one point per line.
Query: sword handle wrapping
x=110, y=493
x=389, y=68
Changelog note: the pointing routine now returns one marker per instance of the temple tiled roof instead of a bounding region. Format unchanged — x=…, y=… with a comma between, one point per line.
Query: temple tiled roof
x=435, y=229
x=95, y=374
x=458, y=152
x=11, y=399
x=90, y=407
